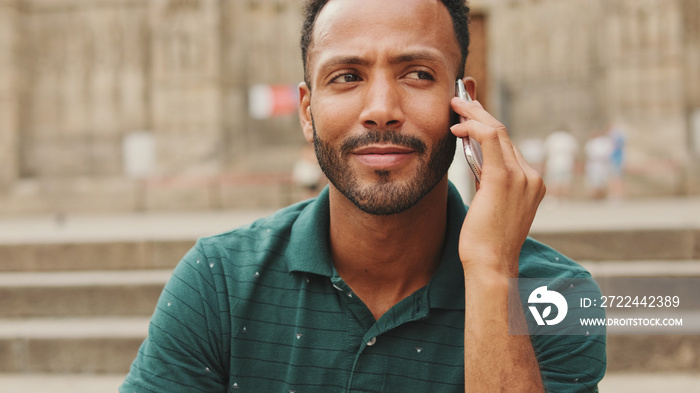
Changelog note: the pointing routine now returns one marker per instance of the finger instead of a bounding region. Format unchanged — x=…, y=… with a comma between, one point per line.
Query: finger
x=532, y=174
x=534, y=177
x=523, y=163
x=486, y=136
x=473, y=110
x=504, y=158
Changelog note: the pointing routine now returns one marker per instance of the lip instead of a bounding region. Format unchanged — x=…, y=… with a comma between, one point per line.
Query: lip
x=383, y=157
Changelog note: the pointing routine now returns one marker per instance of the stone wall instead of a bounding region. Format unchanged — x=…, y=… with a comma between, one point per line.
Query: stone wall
x=690, y=14
x=85, y=69
x=260, y=45
x=9, y=122
x=642, y=54
x=583, y=64
x=78, y=77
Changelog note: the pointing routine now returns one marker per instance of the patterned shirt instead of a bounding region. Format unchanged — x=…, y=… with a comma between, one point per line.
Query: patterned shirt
x=262, y=309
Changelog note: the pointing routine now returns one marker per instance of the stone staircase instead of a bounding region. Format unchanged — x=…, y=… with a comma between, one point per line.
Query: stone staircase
x=79, y=307
x=643, y=252
x=82, y=307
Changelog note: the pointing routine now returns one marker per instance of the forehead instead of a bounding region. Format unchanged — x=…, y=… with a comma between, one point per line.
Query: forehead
x=371, y=27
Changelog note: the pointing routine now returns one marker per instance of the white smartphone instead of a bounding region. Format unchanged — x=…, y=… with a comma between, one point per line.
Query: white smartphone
x=472, y=149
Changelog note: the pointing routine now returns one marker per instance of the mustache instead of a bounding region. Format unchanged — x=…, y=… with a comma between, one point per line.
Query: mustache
x=376, y=136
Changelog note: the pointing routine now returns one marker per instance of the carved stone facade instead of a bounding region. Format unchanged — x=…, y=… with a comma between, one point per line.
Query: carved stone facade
x=77, y=77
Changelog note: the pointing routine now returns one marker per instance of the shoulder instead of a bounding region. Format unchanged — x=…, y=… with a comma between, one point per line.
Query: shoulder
x=538, y=260
x=270, y=234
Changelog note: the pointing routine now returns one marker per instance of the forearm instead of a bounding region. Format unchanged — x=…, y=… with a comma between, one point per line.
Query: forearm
x=493, y=233
x=495, y=361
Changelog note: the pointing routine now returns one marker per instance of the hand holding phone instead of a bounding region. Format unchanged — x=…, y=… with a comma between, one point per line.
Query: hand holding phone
x=472, y=149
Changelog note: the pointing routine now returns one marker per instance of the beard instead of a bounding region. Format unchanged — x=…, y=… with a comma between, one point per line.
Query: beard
x=385, y=196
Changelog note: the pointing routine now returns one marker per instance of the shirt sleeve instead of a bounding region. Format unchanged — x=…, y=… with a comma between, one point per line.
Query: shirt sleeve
x=574, y=360
x=184, y=350
x=572, y=357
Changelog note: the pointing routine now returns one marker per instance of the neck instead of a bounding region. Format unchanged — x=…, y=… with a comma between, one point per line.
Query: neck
x=386, y=258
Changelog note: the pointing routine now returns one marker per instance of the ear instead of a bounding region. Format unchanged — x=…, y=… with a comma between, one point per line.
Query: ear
x=305, y=112
x=470, y=85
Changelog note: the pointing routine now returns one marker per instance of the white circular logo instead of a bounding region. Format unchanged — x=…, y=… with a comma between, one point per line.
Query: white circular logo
x=542, y=295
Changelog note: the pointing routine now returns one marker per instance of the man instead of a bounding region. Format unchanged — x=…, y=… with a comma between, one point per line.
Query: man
x=383, y=283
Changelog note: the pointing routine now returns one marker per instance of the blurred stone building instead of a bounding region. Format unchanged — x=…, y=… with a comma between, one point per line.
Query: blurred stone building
x=582, y=65
x=81, y=77
x=128, y=105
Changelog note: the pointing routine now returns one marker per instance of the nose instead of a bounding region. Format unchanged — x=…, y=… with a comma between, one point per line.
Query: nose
x=382, y=104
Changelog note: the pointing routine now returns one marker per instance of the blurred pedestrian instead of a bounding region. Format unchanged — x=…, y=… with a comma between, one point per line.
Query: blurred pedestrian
x=598, y=151
x=561, y=149
x=534, y=153
x=617, y=136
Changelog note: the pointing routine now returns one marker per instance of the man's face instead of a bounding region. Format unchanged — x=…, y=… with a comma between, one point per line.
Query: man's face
x=382, y=74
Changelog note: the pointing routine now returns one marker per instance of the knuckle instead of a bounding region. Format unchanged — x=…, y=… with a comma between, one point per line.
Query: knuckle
x=538, y=186
x=507, y=176
x=492, y=135
x=499, y=128
x=537, y=181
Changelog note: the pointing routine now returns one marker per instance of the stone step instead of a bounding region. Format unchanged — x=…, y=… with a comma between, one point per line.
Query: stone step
x=643, y=268
x=109, y=345
x=673, y=381
x=624, y=244
x=70, y=345
x=87, y=383
x=93, y=322
x=654, y=353
x=92, y=255
x=76, y=292
x=614, y=382
x=143, y=253
x=60, y=383
x=80, y=293
x=135, y=292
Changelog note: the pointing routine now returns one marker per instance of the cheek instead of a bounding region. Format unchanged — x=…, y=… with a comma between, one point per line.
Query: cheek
x=334, y=117
x=432, y=117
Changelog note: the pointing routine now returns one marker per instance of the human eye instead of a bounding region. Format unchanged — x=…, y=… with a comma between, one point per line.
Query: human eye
x=346, y=77
x=420, y=75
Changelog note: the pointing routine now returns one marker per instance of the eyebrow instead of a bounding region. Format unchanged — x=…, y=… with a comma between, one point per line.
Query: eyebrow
x=416, y=55
x=406, y=57
x=335, y=61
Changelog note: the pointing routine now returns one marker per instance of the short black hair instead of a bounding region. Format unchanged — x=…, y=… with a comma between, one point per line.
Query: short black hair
x=458, y=9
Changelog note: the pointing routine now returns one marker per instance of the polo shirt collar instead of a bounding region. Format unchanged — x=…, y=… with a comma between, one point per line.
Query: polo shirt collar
x=308, y=249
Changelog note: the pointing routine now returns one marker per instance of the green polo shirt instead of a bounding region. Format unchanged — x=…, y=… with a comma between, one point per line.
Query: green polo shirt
x=262, y=309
